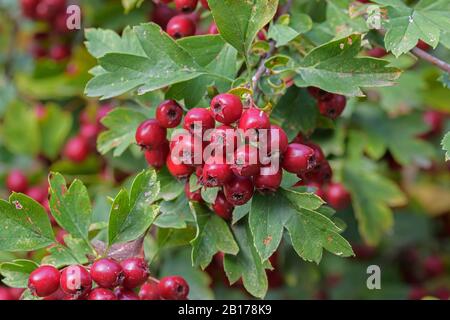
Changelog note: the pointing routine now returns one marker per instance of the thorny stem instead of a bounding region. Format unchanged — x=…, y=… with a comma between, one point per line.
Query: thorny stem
x=431, y=59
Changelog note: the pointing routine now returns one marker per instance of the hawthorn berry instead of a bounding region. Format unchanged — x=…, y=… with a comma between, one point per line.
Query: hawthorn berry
x=180, y=26
x=125, y=294
x=226, y=108
x=433, y=266
x=135, y=272
x=269, y=180
x=186, y=148
x=319, y=94
x=162, y=14
x=377, y=52
x=337, y=196
x=205, y=4
x=277, y=140
x=186, y=5
x=332, y=107
x=318, y=152
x=157, y=157
x=192, y=195
x=28, y=8
x=16, y=181
x=150, y=134
x=173, y=288
x=254, y=118
x=5, y=294
x=216, y=172
x=76, y=281
x=298, y=158
x=149, y=291
x=48, y=9
x=198, y=117
x=169, y=114
x=246, y=161
x=76, y=149
x=44, y=281
x=107, y=273
x=38, y=193
x=239, y=190
x=180, y=170
x=435, y=121
x=321, y=174
x=59, y=52
x=102, y=294
x=213, y=29
x=224, y=137
x=222, y=207
x=315, y=187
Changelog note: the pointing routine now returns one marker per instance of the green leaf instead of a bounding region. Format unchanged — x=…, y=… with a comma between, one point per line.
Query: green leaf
x=121, y=124
x=131, y=215
x=240, y=21
x=427, y=21
x=371, y=196
x=75, y=251
x=240, y=212
x=335, y=67
x=213, y=235
x=340, y=19
x=303, y=200
x=71, y=207
x=446, y=146
x=209, y=194
x=164, y=63
x=54, y=128
x=174, y=214
x=17, y=272
x=282, y=34
x=247, y=263
x=24, y=225
x=171, y=188
x=20, y=130
x=129, y=5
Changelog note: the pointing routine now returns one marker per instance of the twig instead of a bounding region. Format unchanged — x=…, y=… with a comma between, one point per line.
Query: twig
x=431, y=59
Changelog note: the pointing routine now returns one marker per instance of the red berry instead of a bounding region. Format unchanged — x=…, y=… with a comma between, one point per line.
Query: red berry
x=377, y=52
x=169, y=114
x=59, y=23
x=76, y=281
x=319, y=94
x=213, y=29
x=313, y=187
x=5, y=294
x=205, y=4
x=149, y=291
x=318, y=152
x=298, y=158
x=102, y=112
x=150, y=134
x=269, y=180
x=423, y=45
x=125, y=294
x=187, y=149
x=192, y=195
x=224, y=138
x=48, y=9
x=321, y=174
x=417, y=293
x=180, y=170
x=107, y=273
x=157, y=157
x=246, y=161
x=16, y=181
x=239, y=190
x=180, y=26
x=337, y=196
x=198, y=118
x=333, y=107
x=186, y=5
x=44, y=281
x=434, y=266
x=226, y=108
x=435, y=121
x=135, y=271
x=102, y=294
x=59, y=52
x=173, y=288
x=216, y=172
x=254, y=118
x=277, y=140
x=162, y=14
x=38, y=193
x=89, y=131
x=29, y=8
x=222, y=207
x=76, y=149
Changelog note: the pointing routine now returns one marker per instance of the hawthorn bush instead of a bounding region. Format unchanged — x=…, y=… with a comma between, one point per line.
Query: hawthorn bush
x=184, y=149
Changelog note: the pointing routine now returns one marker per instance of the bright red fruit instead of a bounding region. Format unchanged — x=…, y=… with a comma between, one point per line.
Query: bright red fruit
x=337, y=196
x=48, y=9
x=180, y=170
x=169, y=114
x=268, y=180
x=222, y=207
x=298, y=158
x=107, y=273
x=180, y=26
x=277, y=140
x=135, y=271
x=76, y=149
x=102, y=294
x=198, y=118
x=254, y=118
x=16, y=181
x=239, y=190
x=319, y=94
x=5, y=294
x=435, y=121
x=173, y=288
x=149, y=291
x=224, y=137
x=192, y=195
x=213, y=29
x=125, y=294
x=59, y=52
x=333, y=107
x=434, y=266
x=216, y=172
x=157, y=157
x=205, y=4
x=76, y=281
x=44, y=281
x=246, y=161
x=186, y=5
x=227, y=108
x=150, y=134
x=162, y=14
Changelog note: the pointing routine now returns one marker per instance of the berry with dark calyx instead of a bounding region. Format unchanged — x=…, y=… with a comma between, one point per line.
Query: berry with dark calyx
x=16, y=181
x=321, y=174
x=44, y=281
x=198, y=117
x=186, y=5
x=226, y=108
x=102, y=294
x=180, y=26
x=269, y=180
x=59, y=52
x=76, y=149
x=298, y=158
x=169, y=114
x=318, y=152
x=433, y=266
x=125, y=294
x=150, y=134
x=254, y=118
x=205, y=4
x=319, y=94
x=213, y=29
x=337, y=196
x=239, y=190
x=135, y=272
x=149, y=291
x=246, y=161
x=192, y=195
x=157, y=157
x=178, y=170
x=107, y=273
x=76, y=281
x=222, y=207
x=332, y=107
x=216, y=172
x=173, y=288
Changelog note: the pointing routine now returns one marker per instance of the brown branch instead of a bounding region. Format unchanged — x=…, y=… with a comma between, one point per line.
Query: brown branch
x=431, y=59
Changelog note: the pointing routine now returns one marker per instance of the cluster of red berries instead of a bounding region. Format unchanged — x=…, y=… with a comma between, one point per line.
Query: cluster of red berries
x=52, y=44
x=114, y=281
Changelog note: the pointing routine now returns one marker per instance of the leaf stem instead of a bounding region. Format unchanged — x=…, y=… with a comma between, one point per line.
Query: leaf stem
x=431, y=59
